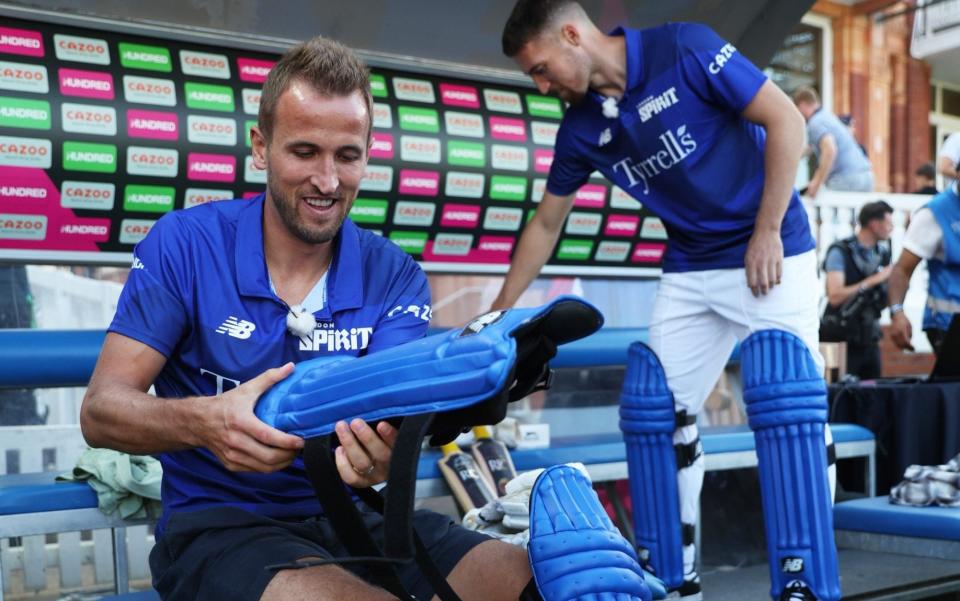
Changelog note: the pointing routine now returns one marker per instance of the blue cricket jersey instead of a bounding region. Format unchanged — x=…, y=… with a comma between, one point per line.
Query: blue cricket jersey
x=199, y=293
x=680, y=146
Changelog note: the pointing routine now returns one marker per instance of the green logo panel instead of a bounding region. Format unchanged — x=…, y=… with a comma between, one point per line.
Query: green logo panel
x=246, y=130
x=28, y=114
x=148, y=58
x=87, y=156
x=575, y=250
x=378, y=86
x=504, y=187
x=417, y=119
x=466, y=154
x=412, y=242
x=208, y=97
x=544, y=106
x=367, y=210
x=148, y=199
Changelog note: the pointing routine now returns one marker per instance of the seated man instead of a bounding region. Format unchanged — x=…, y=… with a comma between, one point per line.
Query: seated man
x=221, y=300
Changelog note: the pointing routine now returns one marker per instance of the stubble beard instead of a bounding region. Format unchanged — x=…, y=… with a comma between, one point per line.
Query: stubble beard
x=287, y=208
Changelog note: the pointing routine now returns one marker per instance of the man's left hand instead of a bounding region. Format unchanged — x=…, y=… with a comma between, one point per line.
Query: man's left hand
x=764, y=261
x=363, y=457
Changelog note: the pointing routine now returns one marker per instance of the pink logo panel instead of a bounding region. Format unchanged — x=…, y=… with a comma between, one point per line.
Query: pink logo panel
x=465, y=96
x=211, y=167
x=21, y=41
x=590, y=196
x=153, y=125
x=622, y=225
x=382, y=147
x=253, y=69
x=512, y=130
x=86, y=84
x=648, y=253
x=420, y=183
x=542, y=159
x=457, y=215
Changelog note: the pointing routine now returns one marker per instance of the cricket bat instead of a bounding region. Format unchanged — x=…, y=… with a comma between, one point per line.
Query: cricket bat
x=460, y=471
x=494, y=460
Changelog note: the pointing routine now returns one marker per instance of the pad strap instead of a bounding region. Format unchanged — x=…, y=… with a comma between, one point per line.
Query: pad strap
x=688, y=453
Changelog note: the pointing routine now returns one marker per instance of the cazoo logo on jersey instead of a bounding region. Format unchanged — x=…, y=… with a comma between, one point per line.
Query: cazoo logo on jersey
x=676, y=146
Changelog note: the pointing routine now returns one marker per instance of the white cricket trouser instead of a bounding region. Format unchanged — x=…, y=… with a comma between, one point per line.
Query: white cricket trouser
x=698, y=316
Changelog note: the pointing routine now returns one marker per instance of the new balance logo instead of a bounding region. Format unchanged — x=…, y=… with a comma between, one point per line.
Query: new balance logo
x=238, y=328
x=792, y=565
x=605, y=137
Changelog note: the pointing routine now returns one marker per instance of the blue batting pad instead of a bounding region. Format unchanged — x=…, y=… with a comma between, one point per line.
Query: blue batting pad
x=437, y=374
x=576, y=553
x=786, y=400
x=648, y=420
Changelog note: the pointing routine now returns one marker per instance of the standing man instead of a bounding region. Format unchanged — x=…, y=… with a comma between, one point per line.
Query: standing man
x=841, y=164
x=221, y=300
x=949, y=161
x=857, y=270
x=925, y=180
x=934, y=235
x=679, y=119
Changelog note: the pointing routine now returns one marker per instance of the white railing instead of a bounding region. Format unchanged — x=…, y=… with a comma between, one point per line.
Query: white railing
x=80, y=563
x=833, y=215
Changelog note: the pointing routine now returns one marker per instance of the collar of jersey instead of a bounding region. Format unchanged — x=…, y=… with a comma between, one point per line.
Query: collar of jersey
x=344, y=288
x=634, y=51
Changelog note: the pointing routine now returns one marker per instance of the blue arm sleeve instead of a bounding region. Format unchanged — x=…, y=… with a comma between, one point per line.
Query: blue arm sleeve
x=407, y=312
x=716, y=68
x=834, y=260
x=151, y=309
x=568, y=171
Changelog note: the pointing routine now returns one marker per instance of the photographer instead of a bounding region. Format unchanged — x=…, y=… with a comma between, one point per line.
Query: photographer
x=857, y=270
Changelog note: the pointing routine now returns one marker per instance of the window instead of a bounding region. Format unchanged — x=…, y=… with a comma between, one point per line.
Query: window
x=798, y=62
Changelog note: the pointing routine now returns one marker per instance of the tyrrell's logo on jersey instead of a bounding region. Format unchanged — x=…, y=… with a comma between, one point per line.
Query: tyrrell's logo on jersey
x=328, y=338
x=238, y=328
x=677, y=146
x=656, y=104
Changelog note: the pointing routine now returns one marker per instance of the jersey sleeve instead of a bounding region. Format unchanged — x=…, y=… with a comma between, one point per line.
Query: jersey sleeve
x=924, y=236
x=715, y=68
x=568, y=171
x=407, y=309
x=834, y=260
x=151, y=308
x=951, y=148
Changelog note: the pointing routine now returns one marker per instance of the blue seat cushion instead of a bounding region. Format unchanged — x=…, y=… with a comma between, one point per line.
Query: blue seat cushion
x=150, y=595
x=33, y=493
x=880, y=516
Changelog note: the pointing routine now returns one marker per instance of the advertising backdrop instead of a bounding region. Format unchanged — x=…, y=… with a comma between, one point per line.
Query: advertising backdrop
x=103, y=130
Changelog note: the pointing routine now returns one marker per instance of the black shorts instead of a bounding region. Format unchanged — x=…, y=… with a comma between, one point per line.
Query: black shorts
x=221, y=554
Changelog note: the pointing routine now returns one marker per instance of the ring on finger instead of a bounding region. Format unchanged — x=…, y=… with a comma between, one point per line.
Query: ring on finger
x=365, y=472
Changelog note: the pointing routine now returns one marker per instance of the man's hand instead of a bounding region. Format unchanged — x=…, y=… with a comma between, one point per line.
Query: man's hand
x=363, y=457
x=813, y=188
x=764, y=261
x=238, y=438
x=901, y=332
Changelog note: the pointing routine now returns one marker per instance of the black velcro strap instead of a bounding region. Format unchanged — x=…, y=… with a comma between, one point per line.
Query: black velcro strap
x=441, y=588
x=689, y=533
x=688, y=453
x=531, y=592
x=344, y=516
x=402, y=481
x=831, y=454
x=683, y=419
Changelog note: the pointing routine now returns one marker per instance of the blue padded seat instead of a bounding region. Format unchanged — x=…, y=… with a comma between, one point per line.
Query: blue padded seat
x=33, y=493
x=879, y=516
x=150, y=595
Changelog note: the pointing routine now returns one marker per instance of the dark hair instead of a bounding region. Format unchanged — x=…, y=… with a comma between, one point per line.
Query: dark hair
x=529, y=19
x=806, y=94
x=330, y=67
x=926, y=170
x=846, y=119
x=873, y=210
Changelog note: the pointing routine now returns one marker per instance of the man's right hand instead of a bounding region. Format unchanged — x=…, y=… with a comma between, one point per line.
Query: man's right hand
x=238, y=438
x=901, y=332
